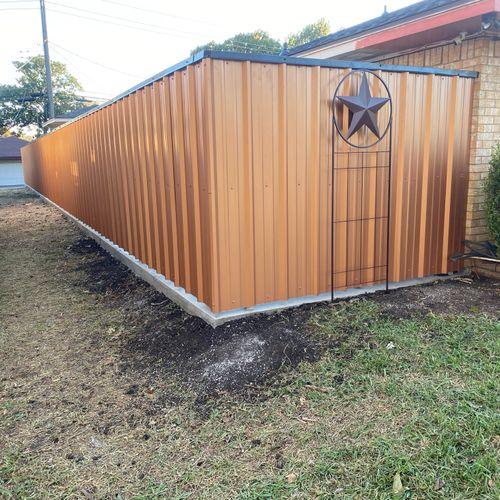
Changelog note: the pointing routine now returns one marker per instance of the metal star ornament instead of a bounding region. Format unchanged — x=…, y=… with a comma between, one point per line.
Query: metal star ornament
x=364, y=109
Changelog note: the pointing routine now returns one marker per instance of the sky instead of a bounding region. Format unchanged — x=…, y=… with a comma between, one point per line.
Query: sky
x=111, y=45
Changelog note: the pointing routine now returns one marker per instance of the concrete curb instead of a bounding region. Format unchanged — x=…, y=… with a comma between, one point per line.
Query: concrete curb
x=190, y=303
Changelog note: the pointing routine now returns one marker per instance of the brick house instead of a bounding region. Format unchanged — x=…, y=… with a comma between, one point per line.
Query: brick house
x=452, y=34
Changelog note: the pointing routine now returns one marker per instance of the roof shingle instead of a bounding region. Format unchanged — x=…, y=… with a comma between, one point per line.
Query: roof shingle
x=10, y=148
x=383, y=20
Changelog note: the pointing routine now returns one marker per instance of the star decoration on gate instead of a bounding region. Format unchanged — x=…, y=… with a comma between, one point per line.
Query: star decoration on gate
x=364, y=109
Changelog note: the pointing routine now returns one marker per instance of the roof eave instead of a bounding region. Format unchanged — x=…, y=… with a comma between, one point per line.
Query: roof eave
x=330, y=39
x=10, y=158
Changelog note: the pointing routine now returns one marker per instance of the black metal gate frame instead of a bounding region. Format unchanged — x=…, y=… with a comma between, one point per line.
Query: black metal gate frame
x=388, y=130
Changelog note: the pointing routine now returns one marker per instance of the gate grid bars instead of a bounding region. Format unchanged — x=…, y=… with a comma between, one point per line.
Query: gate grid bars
x=363, y=109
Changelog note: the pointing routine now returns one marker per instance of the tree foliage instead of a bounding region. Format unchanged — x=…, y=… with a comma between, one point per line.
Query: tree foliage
x=24, y=103
x=492, y=190
x=309, y=33
x=259, y=42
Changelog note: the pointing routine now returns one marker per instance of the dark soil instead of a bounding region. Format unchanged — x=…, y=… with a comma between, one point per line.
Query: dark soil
x=245, y=353
x=105, y=273
x=461, y=295
x=233, y=357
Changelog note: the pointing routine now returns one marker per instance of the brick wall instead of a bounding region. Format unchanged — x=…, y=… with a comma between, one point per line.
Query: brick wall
x=482, y=55
x=484, y=268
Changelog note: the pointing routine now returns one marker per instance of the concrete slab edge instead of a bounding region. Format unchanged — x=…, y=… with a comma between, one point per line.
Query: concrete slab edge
x=193, y=306
x=178, y=295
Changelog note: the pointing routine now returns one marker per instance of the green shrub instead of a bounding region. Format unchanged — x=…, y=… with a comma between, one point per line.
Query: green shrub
x=492, y=189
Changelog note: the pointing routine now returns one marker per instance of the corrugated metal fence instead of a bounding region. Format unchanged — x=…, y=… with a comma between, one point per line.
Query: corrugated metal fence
x=219, y=176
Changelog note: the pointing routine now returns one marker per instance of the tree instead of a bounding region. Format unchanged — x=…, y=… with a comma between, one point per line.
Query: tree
x=24, y=104
x=492, y=190
x=309, y=33
x=259, y=42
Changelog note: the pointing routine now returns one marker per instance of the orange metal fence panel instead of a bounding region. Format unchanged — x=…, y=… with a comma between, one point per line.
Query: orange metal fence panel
x=219, y=176
x=133, y=171
x=289, y=112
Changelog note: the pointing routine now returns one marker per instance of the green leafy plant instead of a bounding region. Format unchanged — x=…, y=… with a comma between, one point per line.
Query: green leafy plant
x=492, y=190
x=260, y=42
x=310, y=32
x=23, y=104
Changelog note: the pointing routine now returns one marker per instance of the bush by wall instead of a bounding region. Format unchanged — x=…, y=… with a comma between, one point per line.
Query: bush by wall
x=492, y=189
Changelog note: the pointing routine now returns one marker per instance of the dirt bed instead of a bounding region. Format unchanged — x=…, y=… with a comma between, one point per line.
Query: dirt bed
x=461, y=295
x=244, y=353
x=155, y=336
x=233, y=357
x=93, y=359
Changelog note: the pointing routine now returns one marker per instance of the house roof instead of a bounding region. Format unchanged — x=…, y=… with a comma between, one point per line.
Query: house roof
x=10, y=148
x=63, y=118
x=76, y=112
x=386, y=19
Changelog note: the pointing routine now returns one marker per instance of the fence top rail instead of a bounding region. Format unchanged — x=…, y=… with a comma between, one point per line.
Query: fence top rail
x=274, y=59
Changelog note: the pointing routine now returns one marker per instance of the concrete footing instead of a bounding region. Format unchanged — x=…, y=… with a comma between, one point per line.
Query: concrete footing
x=191, y=304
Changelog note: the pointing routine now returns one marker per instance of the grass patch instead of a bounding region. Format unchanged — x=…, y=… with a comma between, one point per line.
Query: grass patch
x=435, y=380
x=415, y=398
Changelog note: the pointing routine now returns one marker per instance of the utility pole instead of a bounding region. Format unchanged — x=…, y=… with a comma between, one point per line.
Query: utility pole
x=48, y=76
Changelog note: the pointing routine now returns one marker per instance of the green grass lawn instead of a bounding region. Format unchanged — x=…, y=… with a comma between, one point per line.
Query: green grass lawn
x=418, y=398
x=390, y=408
x=414, y=398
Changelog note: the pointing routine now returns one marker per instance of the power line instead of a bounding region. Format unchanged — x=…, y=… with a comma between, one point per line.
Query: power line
x=95, y=62
x=41, y=95
x=12, y=9
x=142, y=9
x=164, y=30
x=90, y=93
x=96, y=92
x=239, y=44
x=80, y=16
x=86, y=98
x=103, y=97
x=57, y=51
x=21, y=108
x=127, y=20
x=244, y=45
